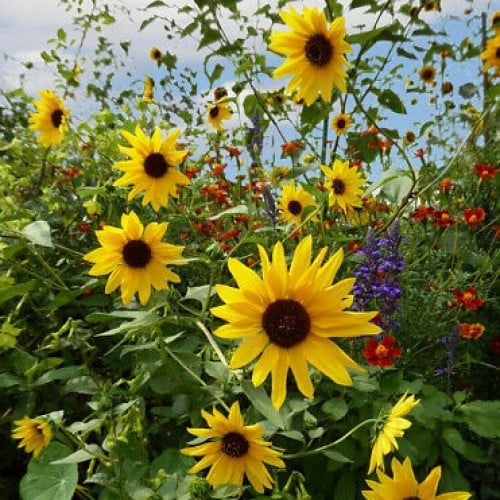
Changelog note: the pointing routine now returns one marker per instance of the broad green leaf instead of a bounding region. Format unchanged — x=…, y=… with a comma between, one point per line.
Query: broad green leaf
x=199, y=293
x=47, y=481
x=239, y=209
x=15, y=290
x=467, y=90
x=391, y=100
x=261, y=401
x=38, y=232
x=338, y=457
x=483, y=417
x=8, y=380
x=336, y=407
x=64, y=373
x=80, y=455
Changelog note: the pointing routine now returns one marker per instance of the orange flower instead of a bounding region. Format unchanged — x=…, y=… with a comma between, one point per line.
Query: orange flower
x=487, y=171
x=442, y=218
x=291, y=147
x=468, y=299
x=473, y=216
x=470, y=331
x=381, y=353
x=445, y=185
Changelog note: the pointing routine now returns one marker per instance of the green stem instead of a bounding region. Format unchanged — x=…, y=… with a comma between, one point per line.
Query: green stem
x=212, y=342
x=321, y=449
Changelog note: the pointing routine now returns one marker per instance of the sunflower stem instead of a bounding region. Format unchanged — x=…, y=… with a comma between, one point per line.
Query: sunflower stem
x=321, y=449
x=212, y=342
x=198, y=379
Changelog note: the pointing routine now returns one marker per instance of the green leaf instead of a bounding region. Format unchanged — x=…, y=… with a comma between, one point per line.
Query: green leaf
x=80, y=455
x=404, y=53
x=337, y=457
x=38, y=232
x=295, y=435
x=483, y=417
x=216, y=73
x=14, y=290
x=8, y=380
x=391, y=100
x=47, y=481
x=336, y=407
x=199, y=293
x=60, y=374
x=239, y=209
x=467, y=90
x=260, y=400
x=364, y=383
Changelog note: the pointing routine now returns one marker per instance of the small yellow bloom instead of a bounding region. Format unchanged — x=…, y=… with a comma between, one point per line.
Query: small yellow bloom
x=341, y=123
x=155, y=54
x=50, y=119
x=148, y=94
x=234, y=450
x=403, y=485
x=217, y=113
x=427, y=74
x=292, y=203
x=35, y=434
x=278, y=174
x=344, y=184
x=393, y=427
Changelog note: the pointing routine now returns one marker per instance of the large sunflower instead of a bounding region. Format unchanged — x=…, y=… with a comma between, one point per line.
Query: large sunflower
x=315, y=54
x=491, y=54
x=235, y=450
x=152, y=166
x=50, y=119
x=136, y=258
x=217, y=113
x=344, y=184
x=288, y=317
x=35, y=434
x=341, y=123
x=393, y=427
x=292, y=203
x=403, y=485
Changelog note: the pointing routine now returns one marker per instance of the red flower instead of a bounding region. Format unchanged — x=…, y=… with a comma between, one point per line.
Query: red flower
x=485, y=171
x=442, y=218
x=381, y=353
x=445, y=185
x=468, y=298
x=353, y=246
x=470, y=331
x=421, y=213
x=473, y=216
x=495, y=344
x=291, y=147
x=233, y=152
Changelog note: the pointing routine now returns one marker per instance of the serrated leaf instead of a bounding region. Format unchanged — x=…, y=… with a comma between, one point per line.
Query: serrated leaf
x=483, y=417
x=47, y=481
x=38, y=232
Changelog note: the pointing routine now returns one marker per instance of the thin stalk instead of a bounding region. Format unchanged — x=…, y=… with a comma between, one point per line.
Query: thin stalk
x=212, y=342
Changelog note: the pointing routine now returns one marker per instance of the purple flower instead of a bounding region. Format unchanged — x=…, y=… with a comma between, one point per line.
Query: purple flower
x=377, y=282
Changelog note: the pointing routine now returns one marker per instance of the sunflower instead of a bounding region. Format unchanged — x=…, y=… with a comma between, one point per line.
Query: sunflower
x=155, y=54
x=427, y=73
x=315, y=54
x=495, y=22
x=344, y=184
x=341, y=123
x=148, y=94
x=491, y=54
x=235, y=450
x=152, y=166
x=409, y=137
x=278, y=174
x=403, y=485
x=50, y=119
x=292, y=203
x=393, y=427
x=217, y=113
x=135, y=257
x=35, y=434
x=288, y=316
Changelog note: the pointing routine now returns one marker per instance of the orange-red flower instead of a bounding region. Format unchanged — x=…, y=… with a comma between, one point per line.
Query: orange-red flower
x=485, y=171
x=291, y=147
x=470, y=331
x=473, y=216
x=421, y=213
x=381, y=353
x=442, y=218
x=445, y=185
x=468, y=299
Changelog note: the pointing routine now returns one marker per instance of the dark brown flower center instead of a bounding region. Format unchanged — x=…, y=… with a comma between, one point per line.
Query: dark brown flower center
x=340, y=123
x=427, y=74
x=294, y=207
x=318, y=50
x=497, y=53
x=136, y=253
x=286, y=322
x=214, y=112
x=234, y=445
x=411, y=498
x=56, y=118
x=155, y=165
x=338, y=186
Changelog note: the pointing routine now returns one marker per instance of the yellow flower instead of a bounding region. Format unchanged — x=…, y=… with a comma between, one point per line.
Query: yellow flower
x=344, y=184
x=35, y=434
x=315, y=54
x=148, y=94
x=235, y=450
x=288, y=317
x=409, y=137
x=155, y=54
x=393, y=427
x=292, y=203
x=341, y=123
x=135, y=257
x=403, y=485
x=50, y=119
x=278, y=174
x=217, y=113
x=495, y=22
x=427, y=74
x=491, y=54
x=152, y=166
